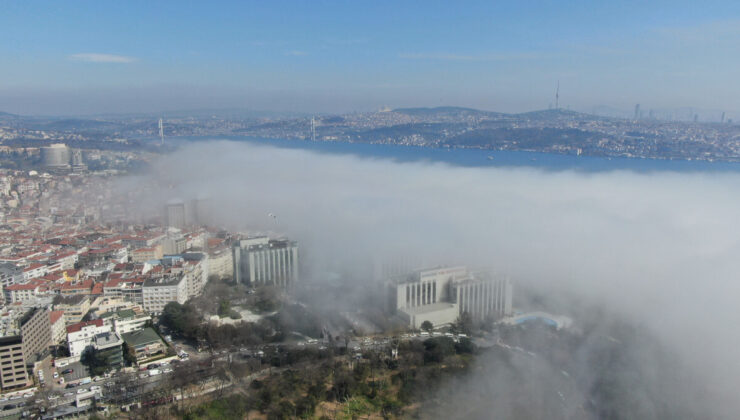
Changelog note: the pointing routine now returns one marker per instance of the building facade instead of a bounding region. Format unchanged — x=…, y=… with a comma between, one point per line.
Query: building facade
x=13, y=374
x=157, y=293
x=440, y=295
x=36, y=333
x=262, y=261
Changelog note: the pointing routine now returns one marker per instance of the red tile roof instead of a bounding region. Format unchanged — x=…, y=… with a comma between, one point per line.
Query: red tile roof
x=55, y=316
x=78, y=326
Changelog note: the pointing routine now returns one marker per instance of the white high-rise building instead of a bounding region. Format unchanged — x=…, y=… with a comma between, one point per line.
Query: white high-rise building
x=156, y=293
x=262, y=261
x=56, y=156
x=440, y=295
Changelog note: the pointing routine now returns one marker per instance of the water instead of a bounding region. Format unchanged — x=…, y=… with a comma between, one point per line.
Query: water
x=487, y=158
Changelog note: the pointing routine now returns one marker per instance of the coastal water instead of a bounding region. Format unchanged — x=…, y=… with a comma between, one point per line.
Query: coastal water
x=486, y=158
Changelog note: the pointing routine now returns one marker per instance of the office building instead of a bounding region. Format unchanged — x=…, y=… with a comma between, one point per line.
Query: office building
x=263, y=261
x=157, y=293
x=36, y=333
x=175, y=214
x=109, y=347
x=440, y=295
x=56, y=156
x=13, y=373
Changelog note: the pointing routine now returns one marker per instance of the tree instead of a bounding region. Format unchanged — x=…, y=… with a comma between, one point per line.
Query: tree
x=129, y=354
x=96, y=364
x=427, y=326
x=464, y=323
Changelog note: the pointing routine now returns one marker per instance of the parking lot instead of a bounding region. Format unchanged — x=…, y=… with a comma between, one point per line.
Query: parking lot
x=79, y=371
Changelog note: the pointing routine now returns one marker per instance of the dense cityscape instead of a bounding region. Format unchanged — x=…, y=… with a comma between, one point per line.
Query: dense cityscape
x=233, y=210
x=114, y=306
x=552, y=131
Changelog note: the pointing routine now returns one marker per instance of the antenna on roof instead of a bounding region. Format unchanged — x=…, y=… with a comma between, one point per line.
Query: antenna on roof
x=161, y=131
x=557, y=96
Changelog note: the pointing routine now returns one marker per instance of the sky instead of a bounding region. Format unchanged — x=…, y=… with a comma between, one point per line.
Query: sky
x=317, y=56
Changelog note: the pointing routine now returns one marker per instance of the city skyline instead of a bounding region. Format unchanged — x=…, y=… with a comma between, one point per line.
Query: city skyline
x=326, y=57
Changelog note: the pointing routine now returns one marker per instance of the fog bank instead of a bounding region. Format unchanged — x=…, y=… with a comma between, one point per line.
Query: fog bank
x=660, y=249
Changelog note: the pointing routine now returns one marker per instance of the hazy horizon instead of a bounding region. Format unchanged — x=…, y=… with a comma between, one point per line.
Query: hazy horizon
x=336, y=58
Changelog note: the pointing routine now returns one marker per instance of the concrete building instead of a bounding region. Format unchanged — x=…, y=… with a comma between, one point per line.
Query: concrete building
x=175, y=214
x=483, y=295
x=440, y=295
x=56, y=156
x=125, y=320
x=195, y=269
x=27, y=343
x=81, y=335
x=36, y=333
x=74, y=307
x=146, y=343
x=147, y=253
x=174, y=245
x=13, y=374
x=109, y=346
x=221, y=263
x=262, y=261
x=58, y=327
x=157, y=293
x=10, y=274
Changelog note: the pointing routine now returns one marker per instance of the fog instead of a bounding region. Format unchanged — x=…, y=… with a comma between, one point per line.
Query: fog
x=659, y=250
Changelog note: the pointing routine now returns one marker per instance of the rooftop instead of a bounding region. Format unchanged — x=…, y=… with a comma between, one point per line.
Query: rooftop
x=141, y=337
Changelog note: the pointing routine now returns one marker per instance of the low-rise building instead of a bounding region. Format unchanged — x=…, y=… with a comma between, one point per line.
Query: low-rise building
x=126, y=320
x=146, y=343
x=109, y=347
x=80, y=336
x=147, y=253
x=74, y=307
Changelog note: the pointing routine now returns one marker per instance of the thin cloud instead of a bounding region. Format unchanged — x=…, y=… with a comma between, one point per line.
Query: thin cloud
x=296, y=53
x=102, y=58
x=473, y=57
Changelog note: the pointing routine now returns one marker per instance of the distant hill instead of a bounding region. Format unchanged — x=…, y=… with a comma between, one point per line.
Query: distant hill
x=554, y=114
x=445, y=110
x=80, y=124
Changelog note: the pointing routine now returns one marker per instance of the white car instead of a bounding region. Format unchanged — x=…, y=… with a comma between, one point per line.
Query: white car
x=56, y=375
x=95, y=388
x=81, y=391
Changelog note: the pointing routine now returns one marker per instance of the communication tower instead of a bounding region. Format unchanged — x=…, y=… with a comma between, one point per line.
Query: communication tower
x=161, y=131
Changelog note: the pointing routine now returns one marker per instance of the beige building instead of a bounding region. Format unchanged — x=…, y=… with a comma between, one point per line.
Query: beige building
x=157, y=293
x=146, y=254
x=221, y=263
x=75, y=307
x=58, y=327
x=36, y=333
x=12, y=363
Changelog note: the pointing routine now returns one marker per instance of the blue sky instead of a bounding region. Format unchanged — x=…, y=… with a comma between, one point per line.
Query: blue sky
x=86, y=57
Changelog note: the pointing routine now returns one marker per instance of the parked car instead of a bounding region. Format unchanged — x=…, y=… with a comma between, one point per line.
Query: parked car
x=56, y=375
x=67, y=371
